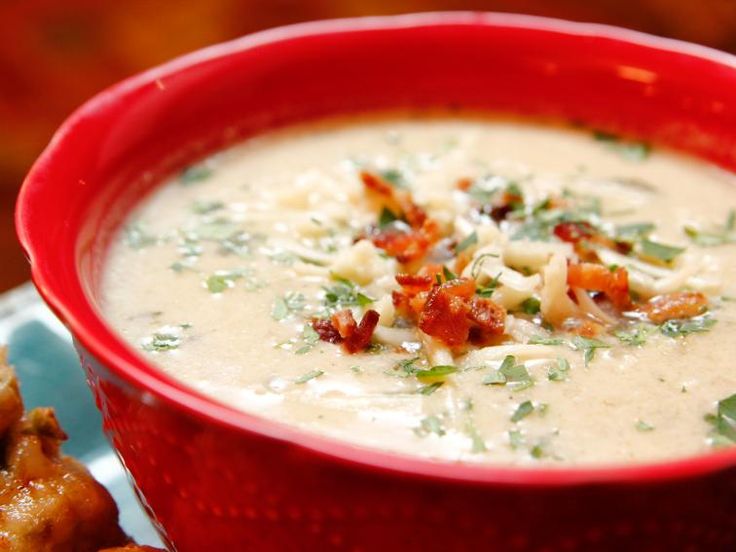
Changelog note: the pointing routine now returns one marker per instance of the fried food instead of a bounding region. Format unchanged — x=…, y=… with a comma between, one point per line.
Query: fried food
x=48, y=501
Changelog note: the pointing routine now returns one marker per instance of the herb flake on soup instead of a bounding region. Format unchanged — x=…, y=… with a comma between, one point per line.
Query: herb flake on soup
x=455, y=288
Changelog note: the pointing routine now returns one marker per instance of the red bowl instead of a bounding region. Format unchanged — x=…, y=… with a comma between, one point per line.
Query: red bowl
x=214, y=478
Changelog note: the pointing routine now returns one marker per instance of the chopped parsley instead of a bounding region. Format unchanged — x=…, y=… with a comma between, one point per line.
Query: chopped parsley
x=304, y=378
x=522, y=411
x=166, y=338
x=194, y=174
x=588, y=346
x=516, y=438
x=404, y=368
x=137, y=237
x=682, y=327
x=509, y=373
x=634, y=231
x=222, y=280
x=659, y=251
x=558, y=371
x=631, y=150
x=204, y=207
x=284, y=306
x=431, y=388
x=531, y=305
x=428, y=425
x=344, y=293
x=309, y=339
x=636, y=336
x=718, y=236
x=386, y=217
x=642, y=426
x=541, y=340
x=724, y=422
x=435, y=373
x=477, y=445
x=394, y=177
x=469, y=241
x=488, y=289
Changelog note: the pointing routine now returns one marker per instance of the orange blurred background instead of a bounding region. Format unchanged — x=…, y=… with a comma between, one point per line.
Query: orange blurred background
x=56, y=54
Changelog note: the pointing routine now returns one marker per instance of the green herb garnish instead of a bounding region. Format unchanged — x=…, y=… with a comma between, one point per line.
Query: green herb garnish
x=309, y=339
x=724, y=422
x=718, y=236
x=683, y=327
x=304, y=378
x=436, y=373
x=394, y=177
x=404, y=368
x=137, y=237
x=431, y=388
x=430, y=424
x=195, y=173
x=588, y=346
x=634, y=231
x=344, y=293
x=469, y=241
x=477, y=444
x=642, y=426
x=631, y=150
x=531, y=305
x=284, y=306
x=636, y=336
x=522, y=411
x=220, y=281
x=386, y=217
x=659, y=251
x=559, y=370
x=204, y=207
x=541, y=340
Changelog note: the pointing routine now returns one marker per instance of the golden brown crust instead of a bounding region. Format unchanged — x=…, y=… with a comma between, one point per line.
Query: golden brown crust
x=48, y=501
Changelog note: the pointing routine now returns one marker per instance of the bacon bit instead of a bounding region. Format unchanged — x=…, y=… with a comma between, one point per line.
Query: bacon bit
x=414, y=283
x=342, y=328
x=464, y=184
x=406, y=246
x=460, y=287
x=360, y=339
x=595, y=277
x=582, y=234
x=344, y=322
x=573, y=232
x=326, y=331
x=582, y=327
x=490, y=319
x=680, y=304
x=445, y=317
x=377, y=184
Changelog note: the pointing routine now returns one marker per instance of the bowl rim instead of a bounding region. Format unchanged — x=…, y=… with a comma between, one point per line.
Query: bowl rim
x=182, y=398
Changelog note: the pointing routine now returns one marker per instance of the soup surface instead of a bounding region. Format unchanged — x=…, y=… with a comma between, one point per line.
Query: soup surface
x=454, y=288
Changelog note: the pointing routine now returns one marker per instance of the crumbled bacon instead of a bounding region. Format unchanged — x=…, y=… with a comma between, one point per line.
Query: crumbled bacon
x=594, y=277
x=584, y=237
x=445, y=317
x=464, y=184
x=573, y=232
x=342, y=328
x=680, y=304
x=406, y=245
x=582, y=327
x=490, y=320
x=325, y=330
x=448, y=311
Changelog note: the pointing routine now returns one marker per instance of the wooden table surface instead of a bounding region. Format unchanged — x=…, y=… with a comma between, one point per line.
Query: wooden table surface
x=54, y=55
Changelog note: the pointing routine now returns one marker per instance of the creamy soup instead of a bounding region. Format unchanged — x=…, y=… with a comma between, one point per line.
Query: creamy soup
x=454, y=288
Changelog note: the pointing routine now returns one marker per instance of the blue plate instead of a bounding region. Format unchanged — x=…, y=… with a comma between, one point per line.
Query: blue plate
x=50, y=375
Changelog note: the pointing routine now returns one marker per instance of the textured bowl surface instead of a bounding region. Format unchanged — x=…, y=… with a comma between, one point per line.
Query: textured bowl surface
x=214, y=478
